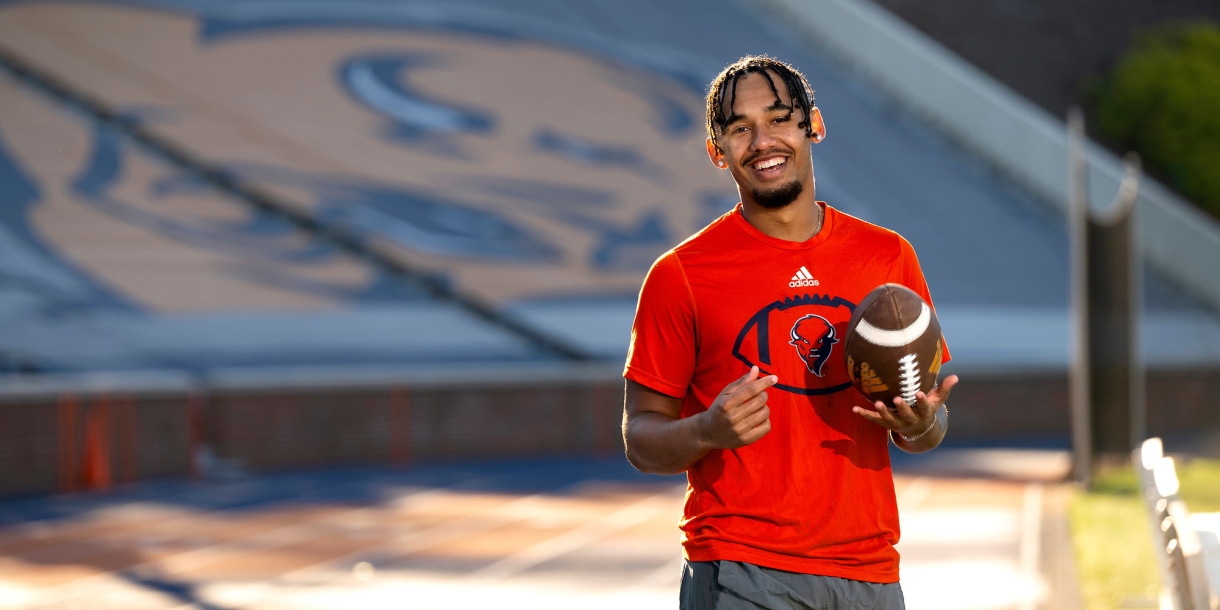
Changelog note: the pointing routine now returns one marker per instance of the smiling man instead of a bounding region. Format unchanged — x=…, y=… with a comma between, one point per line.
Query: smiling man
x=735, y=373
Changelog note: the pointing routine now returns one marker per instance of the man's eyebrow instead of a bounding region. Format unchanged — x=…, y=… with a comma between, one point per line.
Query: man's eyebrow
x=778, y=105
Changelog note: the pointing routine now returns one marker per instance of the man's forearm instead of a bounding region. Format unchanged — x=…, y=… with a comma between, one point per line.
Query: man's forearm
x=657, y=444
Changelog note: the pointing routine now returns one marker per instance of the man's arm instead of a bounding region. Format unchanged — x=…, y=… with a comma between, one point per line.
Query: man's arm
x=925, y=424
x=660, y=441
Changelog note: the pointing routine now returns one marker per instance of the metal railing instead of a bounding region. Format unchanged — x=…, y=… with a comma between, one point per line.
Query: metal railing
x=1179, y=554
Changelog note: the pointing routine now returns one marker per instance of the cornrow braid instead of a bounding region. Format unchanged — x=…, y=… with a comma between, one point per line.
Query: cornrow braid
x=725, y=84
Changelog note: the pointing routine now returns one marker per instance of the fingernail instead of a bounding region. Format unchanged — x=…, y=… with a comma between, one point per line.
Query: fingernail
x=774, y=378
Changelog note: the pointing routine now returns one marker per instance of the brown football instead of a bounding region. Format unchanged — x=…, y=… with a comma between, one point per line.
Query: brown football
x=893, y=345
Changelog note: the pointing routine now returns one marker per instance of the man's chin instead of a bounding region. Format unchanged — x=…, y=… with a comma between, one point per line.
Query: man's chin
x=778, y=197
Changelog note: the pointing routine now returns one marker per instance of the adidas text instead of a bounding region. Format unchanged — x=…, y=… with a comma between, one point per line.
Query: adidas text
x=802, y=278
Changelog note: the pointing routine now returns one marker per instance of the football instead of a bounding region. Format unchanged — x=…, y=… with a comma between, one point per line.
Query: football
x=893, y=345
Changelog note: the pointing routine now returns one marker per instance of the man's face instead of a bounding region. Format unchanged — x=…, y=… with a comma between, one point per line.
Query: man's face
x=763, y=144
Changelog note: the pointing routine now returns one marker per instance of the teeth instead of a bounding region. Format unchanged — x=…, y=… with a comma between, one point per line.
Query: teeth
x=769, y=163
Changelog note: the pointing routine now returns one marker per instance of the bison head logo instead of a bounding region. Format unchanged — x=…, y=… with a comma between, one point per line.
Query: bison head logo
x=813, y=337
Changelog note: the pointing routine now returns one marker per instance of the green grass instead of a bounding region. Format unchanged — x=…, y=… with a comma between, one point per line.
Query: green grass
x=1111, y=537
x=1200, y=485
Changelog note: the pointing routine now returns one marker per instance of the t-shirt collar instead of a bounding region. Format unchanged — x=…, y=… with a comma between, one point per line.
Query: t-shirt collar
x=783, y=244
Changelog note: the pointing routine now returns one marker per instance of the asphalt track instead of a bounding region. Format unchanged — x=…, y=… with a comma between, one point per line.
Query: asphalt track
x=981, y=530
x=534, y=155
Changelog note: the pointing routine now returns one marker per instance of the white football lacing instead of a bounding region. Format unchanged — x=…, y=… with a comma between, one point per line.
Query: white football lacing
x=909, y=377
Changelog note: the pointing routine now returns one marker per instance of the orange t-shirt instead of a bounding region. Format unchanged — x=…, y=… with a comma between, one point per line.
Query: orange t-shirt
x=815, y=495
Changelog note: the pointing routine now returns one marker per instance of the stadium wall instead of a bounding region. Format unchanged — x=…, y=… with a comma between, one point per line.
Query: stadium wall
x=1009, y=132
x=66, y=434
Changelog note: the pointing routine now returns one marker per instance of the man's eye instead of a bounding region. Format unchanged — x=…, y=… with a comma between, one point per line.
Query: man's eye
x=783, y=119
x=740, y=129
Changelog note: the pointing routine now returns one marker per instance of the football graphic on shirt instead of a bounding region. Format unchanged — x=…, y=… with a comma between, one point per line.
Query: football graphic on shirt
x=800, y=339
x=893, y=345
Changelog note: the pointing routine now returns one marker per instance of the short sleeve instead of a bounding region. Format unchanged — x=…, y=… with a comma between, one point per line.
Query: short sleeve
x=661, y=355
x=912, y=277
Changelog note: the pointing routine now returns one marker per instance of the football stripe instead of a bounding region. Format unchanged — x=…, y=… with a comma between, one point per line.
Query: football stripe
x=896, y=338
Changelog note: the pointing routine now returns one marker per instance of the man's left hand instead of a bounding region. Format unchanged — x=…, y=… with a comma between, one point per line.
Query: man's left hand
x=908, y=420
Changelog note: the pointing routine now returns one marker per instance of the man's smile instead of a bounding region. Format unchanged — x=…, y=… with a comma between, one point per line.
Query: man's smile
x=769, y=166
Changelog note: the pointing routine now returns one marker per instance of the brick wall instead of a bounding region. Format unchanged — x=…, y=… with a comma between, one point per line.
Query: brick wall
x=1033, y=405
x=1183, y=400
x=268, y=430
x=67, y=440
x=1036, y=405
x=72, y=440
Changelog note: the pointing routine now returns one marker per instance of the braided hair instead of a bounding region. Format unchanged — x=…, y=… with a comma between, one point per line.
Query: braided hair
x=725, y=84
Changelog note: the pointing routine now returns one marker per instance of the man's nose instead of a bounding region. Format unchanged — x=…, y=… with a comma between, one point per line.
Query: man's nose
x=763, y=138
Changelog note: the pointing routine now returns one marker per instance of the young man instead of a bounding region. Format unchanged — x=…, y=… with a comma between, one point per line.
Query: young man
x=735, y=374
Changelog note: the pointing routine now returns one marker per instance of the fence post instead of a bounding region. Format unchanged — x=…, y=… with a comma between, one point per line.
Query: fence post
x=1107, y=386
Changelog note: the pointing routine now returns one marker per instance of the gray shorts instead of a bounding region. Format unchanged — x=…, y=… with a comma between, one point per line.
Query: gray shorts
x=733, y=585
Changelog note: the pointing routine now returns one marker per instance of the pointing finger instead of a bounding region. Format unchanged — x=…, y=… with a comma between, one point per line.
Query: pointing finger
x=744, y=379
x=753, y=388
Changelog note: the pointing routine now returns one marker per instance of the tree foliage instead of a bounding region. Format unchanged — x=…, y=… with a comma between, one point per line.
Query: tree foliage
x=1163, y=101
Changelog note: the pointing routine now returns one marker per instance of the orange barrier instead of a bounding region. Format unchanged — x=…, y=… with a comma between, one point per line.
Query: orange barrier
x=95, y=470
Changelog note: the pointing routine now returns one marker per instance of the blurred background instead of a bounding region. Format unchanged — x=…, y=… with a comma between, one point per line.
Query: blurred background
x=325, y=303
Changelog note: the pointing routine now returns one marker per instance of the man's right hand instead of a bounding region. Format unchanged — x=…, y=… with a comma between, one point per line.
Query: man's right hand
x=739, y=415
x=659, y=440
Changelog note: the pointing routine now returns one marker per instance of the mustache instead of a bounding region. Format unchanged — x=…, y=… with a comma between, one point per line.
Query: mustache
x=766, y=153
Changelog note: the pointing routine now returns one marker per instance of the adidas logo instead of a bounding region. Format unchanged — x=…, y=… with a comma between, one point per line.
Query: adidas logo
x=802, y=278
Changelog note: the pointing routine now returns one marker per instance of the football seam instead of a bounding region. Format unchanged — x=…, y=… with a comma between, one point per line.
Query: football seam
x=896, y=338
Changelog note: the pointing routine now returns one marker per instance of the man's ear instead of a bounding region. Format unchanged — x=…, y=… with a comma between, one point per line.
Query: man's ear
x=716, y=155
x=816, y=125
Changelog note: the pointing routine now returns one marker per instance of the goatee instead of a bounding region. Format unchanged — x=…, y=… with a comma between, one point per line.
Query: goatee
x=778, y=197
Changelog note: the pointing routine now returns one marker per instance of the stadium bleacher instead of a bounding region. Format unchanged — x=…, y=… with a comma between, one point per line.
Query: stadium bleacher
x=523, y=162
x=536, y=159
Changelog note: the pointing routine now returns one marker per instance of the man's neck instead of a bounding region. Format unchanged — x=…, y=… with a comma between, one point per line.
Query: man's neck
x=797, y=221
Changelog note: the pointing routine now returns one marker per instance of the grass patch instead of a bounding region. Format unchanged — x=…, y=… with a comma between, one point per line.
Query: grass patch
x=1200, y=481
x=1111, y=537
